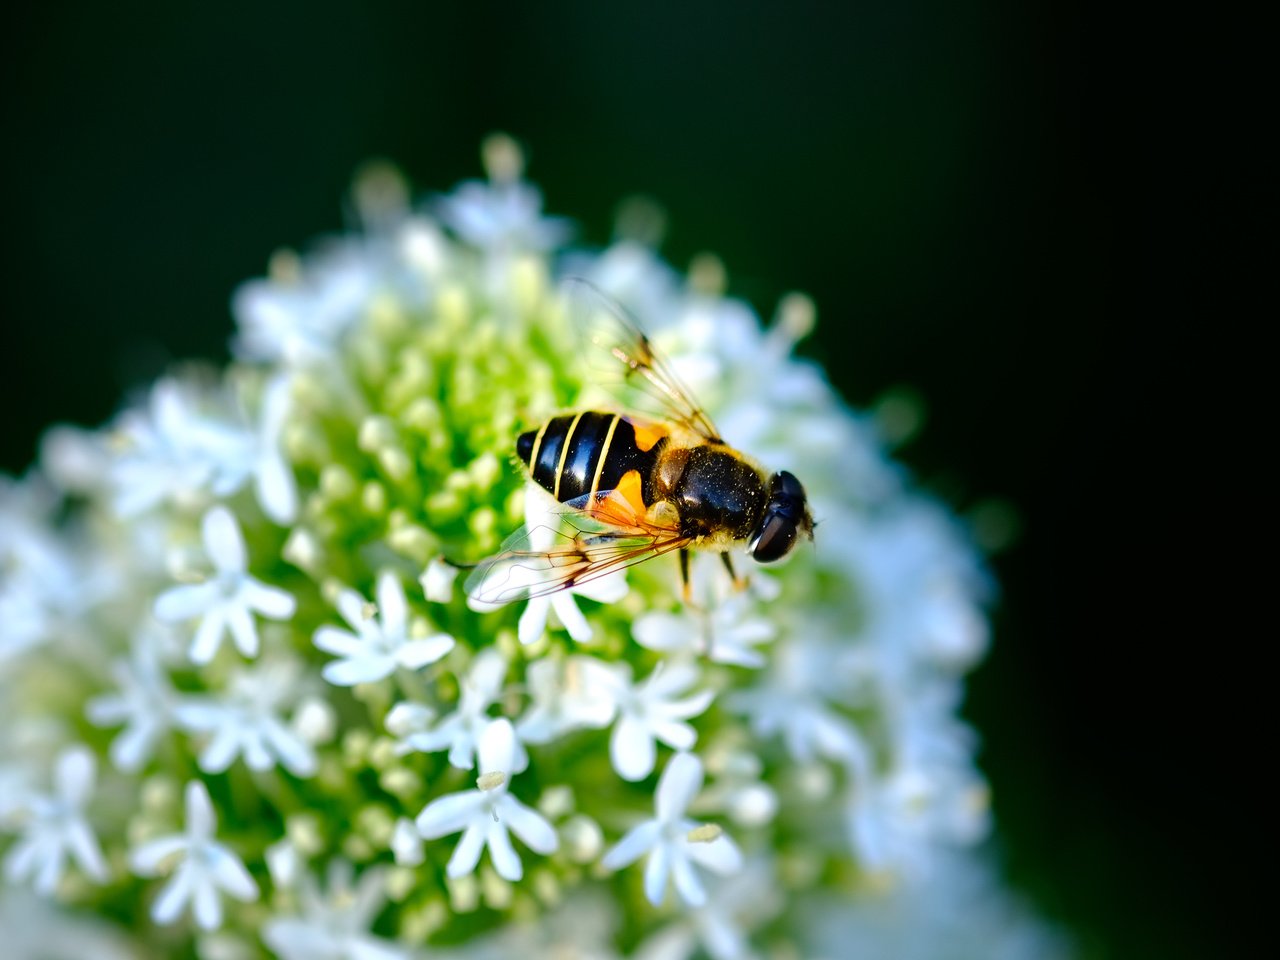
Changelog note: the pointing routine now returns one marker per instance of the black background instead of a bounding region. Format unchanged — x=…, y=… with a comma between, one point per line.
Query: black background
x=980, y=197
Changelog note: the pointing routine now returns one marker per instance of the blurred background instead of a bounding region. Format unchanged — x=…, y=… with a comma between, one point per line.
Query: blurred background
x=966, y=189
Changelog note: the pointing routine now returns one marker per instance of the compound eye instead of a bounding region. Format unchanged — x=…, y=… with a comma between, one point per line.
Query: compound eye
x=777, y=536
x=785, y=485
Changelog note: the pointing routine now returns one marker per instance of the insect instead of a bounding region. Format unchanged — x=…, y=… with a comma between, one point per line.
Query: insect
x=632, y=486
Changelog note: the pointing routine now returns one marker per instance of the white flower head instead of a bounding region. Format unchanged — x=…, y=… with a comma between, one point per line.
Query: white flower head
x=57, y=828
x=229, y=600
x=244, y=721
x=381, y=642
x=653, y=710
x=335, y=925
x=485, y=814
x=201, y=867
x=674, y=843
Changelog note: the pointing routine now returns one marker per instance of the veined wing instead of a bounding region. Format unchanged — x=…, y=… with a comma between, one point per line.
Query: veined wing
x=596, y=537
x=622, y=359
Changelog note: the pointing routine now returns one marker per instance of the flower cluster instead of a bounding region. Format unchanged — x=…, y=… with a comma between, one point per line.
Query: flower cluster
x=249, y=710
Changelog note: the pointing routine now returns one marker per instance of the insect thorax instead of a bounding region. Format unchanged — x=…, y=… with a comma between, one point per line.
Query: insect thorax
x=718, y=494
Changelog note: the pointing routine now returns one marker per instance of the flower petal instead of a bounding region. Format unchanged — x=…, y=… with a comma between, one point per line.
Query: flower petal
x=416, y=654
x=467, y=853
x=174, y=896
x=276, y=488
x=497, y=748
x=73, y=775
x=533, y=620
x=84, y=847
x=638, y=841
x=230, y=874
x=221, y=750
x=505, y=859
x=272, y=602
x=392, y=608
x=530, y=826
x=208, y=637
x=686, y=880
x=449, y=814
x=205, y=904
x=679, y=784
x=199, y=808
x=223, y=541
x=362, y=669
x=655, y=874
x=720, y=855
x=631, y=749
x=339, y=642
x=243, y=629
x=676, y=734
x=186, y=601
x=571, y=617
x=148, y=858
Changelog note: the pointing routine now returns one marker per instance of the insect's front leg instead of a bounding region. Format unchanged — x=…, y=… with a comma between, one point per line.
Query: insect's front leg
x=739, y=583
x=686, y=591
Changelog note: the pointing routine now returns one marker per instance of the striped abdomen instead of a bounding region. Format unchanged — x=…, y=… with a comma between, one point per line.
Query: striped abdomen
x=588, y=452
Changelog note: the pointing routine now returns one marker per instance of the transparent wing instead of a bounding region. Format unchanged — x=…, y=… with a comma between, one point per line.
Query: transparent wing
x=593, y=538
x=621, y=359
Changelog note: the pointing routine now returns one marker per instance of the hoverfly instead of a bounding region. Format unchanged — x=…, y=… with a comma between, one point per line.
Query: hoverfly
x=632, y=486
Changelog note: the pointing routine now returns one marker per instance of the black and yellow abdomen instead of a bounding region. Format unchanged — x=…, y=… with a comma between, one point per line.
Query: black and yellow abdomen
x=590, y=452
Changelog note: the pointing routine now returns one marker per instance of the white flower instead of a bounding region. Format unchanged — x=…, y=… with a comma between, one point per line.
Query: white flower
x=649, y=711
x=228, y=601
x=484, y=815
x=57, y=828
x=244, y=721
x=460, y=731
x=724, y=632
x=304, y=320
x=143, y=703
x=204, y=867
x=191, y=442
x=437, y=580
x=568, y=694
x=380, y=643
x=736, y=905
x=335, y=925
x=666, y=839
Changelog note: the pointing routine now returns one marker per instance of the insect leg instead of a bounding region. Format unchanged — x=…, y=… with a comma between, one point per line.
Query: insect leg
x=685, y=590
x=739, y=583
